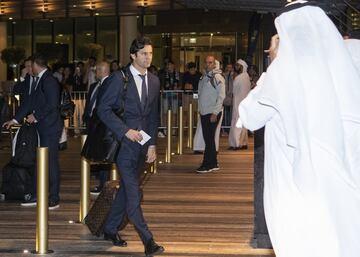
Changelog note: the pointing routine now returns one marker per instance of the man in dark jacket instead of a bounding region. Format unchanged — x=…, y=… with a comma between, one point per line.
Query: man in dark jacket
x=42, y=108
x=140, y=117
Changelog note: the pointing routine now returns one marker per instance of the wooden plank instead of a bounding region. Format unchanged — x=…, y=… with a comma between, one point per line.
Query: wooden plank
x=192, y=215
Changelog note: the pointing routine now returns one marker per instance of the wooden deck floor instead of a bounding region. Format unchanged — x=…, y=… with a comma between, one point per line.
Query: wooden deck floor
x=192, y=215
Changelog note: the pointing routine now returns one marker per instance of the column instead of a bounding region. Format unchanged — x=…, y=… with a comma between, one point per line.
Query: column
x=128, y=32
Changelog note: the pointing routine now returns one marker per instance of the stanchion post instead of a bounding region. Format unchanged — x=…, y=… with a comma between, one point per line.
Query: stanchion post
x=42, y=228
x=84, y=185
x=154, y=167
x=191, y=126
x=181, y=131
x=169, y=137
x=114, y=175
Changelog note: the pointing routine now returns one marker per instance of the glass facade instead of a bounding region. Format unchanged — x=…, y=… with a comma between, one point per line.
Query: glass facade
x=62, y=39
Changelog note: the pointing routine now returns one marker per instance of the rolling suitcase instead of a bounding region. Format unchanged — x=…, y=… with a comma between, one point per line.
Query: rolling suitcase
x=96, y=218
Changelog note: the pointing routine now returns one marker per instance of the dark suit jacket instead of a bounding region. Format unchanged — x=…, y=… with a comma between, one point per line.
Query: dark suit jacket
x=109, y=99
x=44, y=103
x=22, y=88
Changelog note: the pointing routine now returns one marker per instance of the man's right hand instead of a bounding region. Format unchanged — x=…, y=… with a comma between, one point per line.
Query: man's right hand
x=9, y=124
x=134, y=135
x=24, y=71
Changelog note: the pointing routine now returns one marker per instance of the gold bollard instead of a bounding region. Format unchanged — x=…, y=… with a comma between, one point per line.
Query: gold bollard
x=84, y=185
x=191, y=126
x=154, y=167
x=169, y=137
x=114, y=175
x=181, y=131
x=42, y=227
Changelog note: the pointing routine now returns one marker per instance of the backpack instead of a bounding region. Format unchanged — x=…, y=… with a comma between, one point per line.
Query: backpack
x=16, y=182
x=25, y=143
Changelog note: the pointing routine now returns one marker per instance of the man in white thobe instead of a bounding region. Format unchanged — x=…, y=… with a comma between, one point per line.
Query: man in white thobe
x=309, y=100
x=238, y=137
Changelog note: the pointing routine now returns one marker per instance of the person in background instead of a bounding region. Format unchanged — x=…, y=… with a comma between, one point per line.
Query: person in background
x=211, y=97
x=90, y=72
x=102, y=74
x=42, y=109
x=228, y=101
x=238, y=137
x=58, y=69
x=114, y=66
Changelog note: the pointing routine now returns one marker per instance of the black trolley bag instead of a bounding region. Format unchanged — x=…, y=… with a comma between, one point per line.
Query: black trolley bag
x=17, y=174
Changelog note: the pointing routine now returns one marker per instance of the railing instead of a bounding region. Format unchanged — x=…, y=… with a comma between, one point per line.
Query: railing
x=169, y=100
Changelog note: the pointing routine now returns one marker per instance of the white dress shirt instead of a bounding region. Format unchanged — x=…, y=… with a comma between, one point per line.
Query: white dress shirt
x=138, y=79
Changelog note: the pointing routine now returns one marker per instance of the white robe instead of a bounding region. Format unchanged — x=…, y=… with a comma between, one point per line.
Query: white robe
x=241, y=87
x=309, y=101
x=199, y=143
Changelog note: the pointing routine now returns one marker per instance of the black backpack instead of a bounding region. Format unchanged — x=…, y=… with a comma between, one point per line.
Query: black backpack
x=16, y=181
x=26, y=142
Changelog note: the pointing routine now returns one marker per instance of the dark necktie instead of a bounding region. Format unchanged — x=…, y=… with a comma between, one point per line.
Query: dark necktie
x=33, y=84
x=144, y=94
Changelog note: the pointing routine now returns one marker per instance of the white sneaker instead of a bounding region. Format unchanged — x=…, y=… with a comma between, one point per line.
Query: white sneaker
x=161, y=134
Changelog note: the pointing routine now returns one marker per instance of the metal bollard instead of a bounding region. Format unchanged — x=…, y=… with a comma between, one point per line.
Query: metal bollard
x=154, y=167
x=84, y=185
x=169, y=137
x=191, y=126
x=114, y=175
x=181, y=131
x=42, y=226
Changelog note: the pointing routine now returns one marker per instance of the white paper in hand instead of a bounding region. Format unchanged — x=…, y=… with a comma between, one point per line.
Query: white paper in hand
x=145, y=137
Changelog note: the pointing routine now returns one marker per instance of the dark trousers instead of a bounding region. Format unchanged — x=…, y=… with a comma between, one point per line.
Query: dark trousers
x=52, y=142
x=209, y=129
x=128, y=198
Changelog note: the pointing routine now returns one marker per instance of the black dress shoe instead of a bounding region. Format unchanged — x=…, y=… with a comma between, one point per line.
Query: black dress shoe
x=116, y=239
x=153, y=248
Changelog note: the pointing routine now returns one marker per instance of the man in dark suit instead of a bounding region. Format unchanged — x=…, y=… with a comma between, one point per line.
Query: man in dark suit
x=42, y=108
x=102, y=73
x=141, y=114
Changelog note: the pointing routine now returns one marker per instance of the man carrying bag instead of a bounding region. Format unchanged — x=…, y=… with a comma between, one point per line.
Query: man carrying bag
x=139, y=122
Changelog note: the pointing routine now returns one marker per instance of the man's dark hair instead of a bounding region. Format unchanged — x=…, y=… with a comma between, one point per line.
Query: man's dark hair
x=39, y=59
x=92, y=58
x=191, y=65
x=139, y=43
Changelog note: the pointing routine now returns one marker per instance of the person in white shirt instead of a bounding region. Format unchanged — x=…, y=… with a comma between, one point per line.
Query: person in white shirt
x=309, y=100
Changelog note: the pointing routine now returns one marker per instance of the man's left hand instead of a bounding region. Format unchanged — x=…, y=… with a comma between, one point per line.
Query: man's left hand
x=151, y=154
x=30, y=118
x=213, y=118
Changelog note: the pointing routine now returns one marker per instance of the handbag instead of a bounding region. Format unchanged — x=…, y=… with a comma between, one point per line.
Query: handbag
x=101, y=145
x=67, y=106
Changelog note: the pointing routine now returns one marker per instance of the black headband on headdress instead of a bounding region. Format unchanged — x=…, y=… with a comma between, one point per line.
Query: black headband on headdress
x=292, y=7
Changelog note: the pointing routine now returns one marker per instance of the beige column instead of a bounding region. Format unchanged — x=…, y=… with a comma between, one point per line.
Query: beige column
x=3, y=44
x=128, y=31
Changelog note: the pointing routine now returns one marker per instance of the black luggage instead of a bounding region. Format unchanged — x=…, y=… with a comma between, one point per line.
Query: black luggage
x=16, y=182
x=25, y=142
